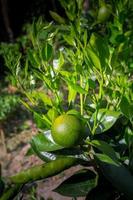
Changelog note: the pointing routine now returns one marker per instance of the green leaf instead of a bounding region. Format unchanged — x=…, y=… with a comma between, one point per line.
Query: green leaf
x=129, y=136
x=31, y=58
x=44, y=142
x=71, y=94
x=73, y=112
x=70, y=15
x=119, y=176
x=126, y=108
x=80, y=4
x=42, y=96
x=45, y=156
x=92, y=84
x=78, y=184
x=100, y=46
x=74, y=152
x=34, y=29
x=29, y=152
x=52, y=114
x=57, y=17
x=41, y=120
x=66, y=74
x=11, y=192
x=47, y=52
x=43, y=171
x=30, y=98
x=26, y=105
x=76, y=87
x=105, y=120
x=85, y=36
x=106, y=159
x=63, y=3
x=94, y=58
x=61, y=60
x=46, y=80
x=53, y=155
x=69, y=40
x=105, y=148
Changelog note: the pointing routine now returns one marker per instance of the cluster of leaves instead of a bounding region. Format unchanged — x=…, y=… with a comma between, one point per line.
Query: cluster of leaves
x=67, y=67
x=8, y=104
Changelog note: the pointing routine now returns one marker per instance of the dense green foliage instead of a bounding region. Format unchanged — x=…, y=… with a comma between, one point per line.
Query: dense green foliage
x=80, y=65
x=8, y=103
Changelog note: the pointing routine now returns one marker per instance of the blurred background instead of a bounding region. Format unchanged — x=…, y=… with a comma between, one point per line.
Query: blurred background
x=13, y=14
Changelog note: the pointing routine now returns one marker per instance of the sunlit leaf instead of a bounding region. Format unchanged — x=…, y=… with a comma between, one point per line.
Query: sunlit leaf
x=105, y=120
x=71, y=94
x=85, y=38
x=66, y=73
x=61, y=60
x=52, y=114
x=101, y=48
x=69, y=40
x=42, y=96
x=77, y=87
x=41, y=120
x=26, y=105
x=45, y=142
x=73, y=112
x=94, y=58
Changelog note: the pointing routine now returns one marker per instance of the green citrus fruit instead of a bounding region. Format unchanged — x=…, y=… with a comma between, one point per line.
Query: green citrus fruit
x=104, y=13
x=67, y=130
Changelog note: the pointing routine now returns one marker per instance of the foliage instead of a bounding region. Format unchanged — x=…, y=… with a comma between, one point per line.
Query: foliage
x=80, y=65
x=8, y=104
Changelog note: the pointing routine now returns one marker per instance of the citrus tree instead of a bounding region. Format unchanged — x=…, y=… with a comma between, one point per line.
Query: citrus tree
x=76, y=79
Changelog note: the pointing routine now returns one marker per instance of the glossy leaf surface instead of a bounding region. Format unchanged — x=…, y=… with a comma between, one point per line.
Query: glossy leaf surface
x=44, y=142
x=105, y=120
x=105, y=148
x=118, y=175
x=53, y=155
x=78, y=184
